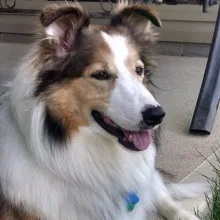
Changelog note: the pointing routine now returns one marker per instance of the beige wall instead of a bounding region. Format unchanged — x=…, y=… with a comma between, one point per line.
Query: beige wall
x=181, y=23
x=187, y=23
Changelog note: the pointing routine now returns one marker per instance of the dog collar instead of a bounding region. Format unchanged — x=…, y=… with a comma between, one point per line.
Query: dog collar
x=131, y=200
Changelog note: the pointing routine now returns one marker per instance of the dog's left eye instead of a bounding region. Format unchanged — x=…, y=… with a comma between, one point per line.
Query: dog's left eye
x=102, y=75
x=139, y=70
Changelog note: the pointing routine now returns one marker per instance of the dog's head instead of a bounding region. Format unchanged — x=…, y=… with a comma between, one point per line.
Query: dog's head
x=94, y=75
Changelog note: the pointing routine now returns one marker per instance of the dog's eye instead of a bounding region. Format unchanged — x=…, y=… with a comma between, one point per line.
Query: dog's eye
x=139, y=70
x=102, y=75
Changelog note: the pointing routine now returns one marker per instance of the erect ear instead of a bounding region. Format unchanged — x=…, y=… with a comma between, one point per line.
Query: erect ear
x=63, y=23
x=134, y=15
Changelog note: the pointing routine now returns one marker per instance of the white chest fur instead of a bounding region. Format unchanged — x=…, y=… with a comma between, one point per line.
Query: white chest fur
x=90, y=186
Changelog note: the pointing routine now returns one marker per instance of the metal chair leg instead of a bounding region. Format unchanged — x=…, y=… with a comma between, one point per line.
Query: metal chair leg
x=207, y=103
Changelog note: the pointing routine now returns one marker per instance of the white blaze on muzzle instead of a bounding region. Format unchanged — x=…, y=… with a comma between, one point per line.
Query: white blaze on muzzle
x=130, y=97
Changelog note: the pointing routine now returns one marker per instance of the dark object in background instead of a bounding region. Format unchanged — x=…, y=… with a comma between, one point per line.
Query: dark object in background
x=208, y=100
x=208, y=3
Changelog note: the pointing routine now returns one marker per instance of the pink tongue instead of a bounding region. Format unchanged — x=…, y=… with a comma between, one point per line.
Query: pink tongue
x=141, y=140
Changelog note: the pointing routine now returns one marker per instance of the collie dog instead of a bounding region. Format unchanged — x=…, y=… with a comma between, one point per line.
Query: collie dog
x=76, y=127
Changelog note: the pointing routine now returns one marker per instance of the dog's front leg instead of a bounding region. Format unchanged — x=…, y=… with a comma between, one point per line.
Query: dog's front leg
x=171, y=210
x=165, y=204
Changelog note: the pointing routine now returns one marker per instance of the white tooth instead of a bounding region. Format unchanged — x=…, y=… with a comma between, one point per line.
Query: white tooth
x=130, y=137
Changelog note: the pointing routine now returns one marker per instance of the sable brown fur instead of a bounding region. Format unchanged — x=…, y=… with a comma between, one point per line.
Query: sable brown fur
x=8, y=212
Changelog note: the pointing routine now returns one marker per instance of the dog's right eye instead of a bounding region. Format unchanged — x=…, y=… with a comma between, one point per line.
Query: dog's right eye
x=102, y=75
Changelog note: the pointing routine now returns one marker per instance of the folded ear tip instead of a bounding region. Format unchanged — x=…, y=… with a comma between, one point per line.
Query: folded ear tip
x=143, y=10
x=47, y=12
x=53, y=12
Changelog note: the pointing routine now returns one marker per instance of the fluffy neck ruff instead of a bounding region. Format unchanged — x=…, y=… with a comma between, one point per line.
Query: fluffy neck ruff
x=89, y=172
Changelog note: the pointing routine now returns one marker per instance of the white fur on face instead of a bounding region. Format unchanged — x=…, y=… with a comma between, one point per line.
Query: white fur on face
x=130, y=97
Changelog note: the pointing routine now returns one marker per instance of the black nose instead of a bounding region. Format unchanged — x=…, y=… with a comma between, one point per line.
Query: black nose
x=153, y=115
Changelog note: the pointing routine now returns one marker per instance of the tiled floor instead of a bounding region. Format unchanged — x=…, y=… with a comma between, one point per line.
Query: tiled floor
x=180, y=79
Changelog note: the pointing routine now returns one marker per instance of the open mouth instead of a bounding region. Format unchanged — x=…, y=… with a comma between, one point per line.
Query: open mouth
x=132, y=140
